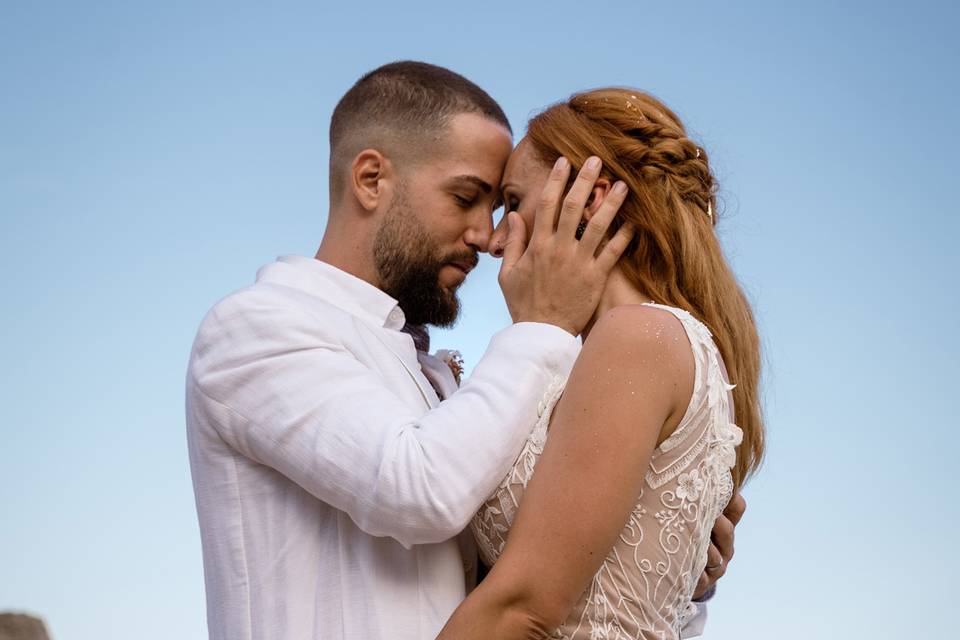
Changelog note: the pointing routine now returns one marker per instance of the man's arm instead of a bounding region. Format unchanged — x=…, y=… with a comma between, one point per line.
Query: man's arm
x=307, y=408
x=719, y=556
x=284, y=398
x=720, y=552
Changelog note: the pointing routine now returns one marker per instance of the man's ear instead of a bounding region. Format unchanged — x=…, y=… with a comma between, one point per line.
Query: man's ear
x=600, y=190
x=367, y=174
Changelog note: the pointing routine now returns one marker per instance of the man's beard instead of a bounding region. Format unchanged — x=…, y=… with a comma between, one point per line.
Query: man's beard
x=408, y=262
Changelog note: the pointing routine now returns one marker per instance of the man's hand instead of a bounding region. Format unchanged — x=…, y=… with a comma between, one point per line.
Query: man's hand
x=721, y=546
x=556, y=279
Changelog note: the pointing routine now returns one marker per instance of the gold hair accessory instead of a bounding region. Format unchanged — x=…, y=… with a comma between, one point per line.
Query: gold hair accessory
x=635, y=109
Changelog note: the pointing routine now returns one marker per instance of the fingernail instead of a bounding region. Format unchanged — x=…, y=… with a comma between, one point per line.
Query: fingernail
x=592, y=163
x=560, y=163
x=620, y=187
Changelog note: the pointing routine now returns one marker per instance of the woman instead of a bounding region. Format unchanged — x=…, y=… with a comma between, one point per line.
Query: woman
x=643, y=452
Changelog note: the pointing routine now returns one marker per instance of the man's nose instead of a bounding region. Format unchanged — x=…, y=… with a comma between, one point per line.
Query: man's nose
x=479, y=233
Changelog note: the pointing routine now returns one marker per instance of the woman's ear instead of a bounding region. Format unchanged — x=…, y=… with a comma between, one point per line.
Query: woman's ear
x=600, y=190
x=366, y=178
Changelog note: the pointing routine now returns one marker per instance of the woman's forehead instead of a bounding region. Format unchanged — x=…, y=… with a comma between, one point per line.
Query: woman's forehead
x=522, y=163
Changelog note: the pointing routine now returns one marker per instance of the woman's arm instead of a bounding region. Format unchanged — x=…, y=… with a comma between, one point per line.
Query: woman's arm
x=631, y=385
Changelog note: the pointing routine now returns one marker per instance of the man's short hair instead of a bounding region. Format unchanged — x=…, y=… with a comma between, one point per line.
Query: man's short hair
x=399, y=109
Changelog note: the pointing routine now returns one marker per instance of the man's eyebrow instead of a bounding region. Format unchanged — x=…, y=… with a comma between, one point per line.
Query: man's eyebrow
x=478, y=182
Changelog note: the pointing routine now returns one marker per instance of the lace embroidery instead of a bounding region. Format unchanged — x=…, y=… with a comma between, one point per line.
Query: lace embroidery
x=491, y=524
x=644, y=587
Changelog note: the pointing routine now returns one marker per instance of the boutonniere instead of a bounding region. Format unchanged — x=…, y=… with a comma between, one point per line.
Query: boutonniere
x=454, y=360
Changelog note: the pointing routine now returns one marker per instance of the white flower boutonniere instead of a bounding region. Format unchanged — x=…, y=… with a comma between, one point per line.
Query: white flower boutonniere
x=452, y=359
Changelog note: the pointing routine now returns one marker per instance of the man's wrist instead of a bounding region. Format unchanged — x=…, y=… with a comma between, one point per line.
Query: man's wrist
x=550, y=321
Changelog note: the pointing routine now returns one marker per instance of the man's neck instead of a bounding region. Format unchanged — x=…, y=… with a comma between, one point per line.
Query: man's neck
x=349, y=252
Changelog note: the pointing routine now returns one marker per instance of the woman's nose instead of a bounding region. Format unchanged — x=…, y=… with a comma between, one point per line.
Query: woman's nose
x=499, y=239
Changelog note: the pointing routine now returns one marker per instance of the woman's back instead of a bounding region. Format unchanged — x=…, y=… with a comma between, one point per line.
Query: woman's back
x=644, y=587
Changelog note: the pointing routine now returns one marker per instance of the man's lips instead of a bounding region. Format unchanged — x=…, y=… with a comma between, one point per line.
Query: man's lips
x=463, y=265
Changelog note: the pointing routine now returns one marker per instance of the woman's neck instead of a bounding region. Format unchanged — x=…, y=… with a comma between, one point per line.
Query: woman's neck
x=618, y=292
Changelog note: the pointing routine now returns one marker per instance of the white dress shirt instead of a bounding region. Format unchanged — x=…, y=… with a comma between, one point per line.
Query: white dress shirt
x=330, y=482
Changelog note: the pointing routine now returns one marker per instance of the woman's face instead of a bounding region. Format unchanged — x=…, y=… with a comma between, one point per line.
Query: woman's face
x=523, y=180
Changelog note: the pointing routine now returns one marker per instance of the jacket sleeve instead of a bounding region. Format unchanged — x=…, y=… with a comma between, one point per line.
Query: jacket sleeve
x=305, y=406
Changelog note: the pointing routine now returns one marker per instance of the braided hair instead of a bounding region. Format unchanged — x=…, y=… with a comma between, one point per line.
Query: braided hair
x=675, y=257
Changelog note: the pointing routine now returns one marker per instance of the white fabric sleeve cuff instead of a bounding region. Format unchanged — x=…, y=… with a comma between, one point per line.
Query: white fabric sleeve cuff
x=697, y=623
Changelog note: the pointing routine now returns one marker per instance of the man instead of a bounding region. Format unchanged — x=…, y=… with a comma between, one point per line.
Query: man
x=331, y=483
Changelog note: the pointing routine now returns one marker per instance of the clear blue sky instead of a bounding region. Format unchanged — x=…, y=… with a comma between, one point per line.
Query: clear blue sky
x=153, y=156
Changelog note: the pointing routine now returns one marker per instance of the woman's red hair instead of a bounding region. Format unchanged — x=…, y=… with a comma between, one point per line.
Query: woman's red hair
x=675, y=257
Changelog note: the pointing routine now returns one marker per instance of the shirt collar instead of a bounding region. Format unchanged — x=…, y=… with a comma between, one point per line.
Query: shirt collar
x=339, y=288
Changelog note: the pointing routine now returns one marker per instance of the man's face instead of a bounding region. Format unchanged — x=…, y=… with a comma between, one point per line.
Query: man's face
x=441, y=218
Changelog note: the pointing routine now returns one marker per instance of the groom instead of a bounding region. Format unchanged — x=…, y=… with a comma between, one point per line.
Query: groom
x=331, y=483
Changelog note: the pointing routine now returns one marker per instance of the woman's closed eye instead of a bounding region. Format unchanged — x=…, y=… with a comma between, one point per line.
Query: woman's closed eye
x=510, y=203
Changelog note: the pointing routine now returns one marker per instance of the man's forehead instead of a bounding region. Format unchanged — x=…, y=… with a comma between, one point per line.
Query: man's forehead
x=473, y=180
x=468, y=134
x=479, y=162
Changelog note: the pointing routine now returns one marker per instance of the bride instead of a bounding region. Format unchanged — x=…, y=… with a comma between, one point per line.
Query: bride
x=602, y=527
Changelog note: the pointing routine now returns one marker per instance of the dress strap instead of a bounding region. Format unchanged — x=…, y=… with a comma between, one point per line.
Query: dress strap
x=709, y=397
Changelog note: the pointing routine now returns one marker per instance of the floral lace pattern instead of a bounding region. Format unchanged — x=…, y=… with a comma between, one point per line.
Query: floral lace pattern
x=644, y=587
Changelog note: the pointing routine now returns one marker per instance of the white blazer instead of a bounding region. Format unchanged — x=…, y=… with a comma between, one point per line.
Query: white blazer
x=330, y=482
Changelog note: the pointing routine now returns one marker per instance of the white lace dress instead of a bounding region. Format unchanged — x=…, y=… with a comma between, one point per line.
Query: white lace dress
x=645, y=585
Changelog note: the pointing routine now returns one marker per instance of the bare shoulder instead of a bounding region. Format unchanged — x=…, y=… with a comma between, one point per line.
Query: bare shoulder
x=640, y=330
x=638, y=358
